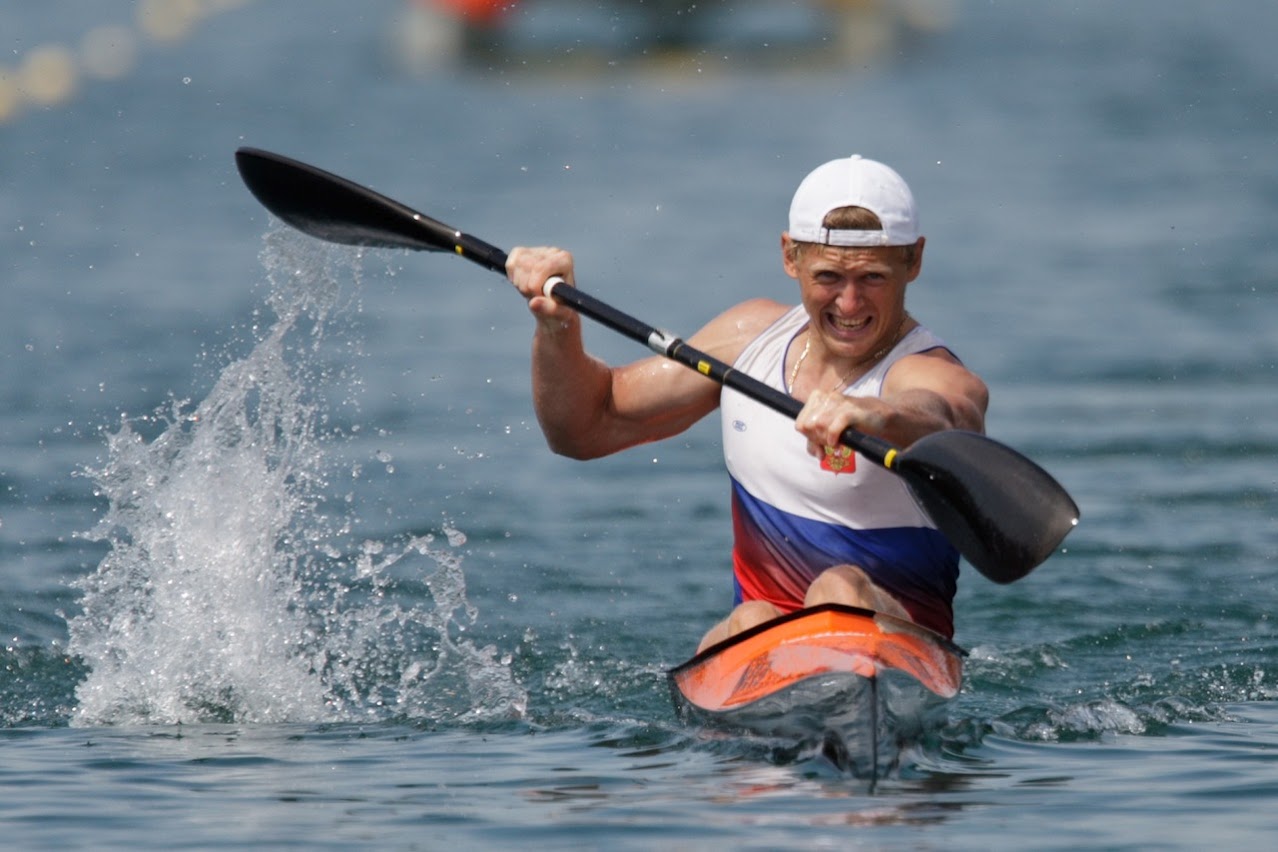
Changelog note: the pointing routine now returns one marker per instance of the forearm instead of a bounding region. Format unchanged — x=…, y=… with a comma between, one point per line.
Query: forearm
x=900, y=418
x=586, y=408
x=915, y=414
x=571, y=389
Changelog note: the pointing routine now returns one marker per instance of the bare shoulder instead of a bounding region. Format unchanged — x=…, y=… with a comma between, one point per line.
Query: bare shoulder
x=932, y=368
x=939, y=372
x=730, y=332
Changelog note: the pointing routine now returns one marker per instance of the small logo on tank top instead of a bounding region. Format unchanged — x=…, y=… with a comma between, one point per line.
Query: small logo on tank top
x=739, y=425
x=839, y=460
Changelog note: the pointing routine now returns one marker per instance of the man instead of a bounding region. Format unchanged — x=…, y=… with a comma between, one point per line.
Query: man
x=811, y=523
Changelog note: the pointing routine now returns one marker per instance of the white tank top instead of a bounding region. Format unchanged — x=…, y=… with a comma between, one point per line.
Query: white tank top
x=794, y=516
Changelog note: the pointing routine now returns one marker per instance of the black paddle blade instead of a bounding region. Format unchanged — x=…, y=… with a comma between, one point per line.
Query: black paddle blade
x=334, y=209
x=1003, y=512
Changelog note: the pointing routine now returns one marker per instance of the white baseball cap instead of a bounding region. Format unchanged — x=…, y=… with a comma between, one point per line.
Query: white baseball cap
x=854, y=182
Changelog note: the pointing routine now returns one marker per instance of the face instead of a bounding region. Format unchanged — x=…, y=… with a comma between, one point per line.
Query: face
x=855, y=297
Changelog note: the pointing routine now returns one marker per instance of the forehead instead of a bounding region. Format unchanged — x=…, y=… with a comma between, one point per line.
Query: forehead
x=816, y=256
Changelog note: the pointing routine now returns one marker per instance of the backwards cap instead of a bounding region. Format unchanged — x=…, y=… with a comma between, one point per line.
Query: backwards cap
x=854, y=182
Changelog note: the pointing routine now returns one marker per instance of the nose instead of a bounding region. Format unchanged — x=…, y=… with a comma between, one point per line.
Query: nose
x=848, y=298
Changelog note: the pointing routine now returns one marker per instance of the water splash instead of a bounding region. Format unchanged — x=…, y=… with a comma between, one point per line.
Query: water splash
x=230, y=591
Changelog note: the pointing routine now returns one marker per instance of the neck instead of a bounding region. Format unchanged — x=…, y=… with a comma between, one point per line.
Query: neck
x=882, y=351
x=860, y=364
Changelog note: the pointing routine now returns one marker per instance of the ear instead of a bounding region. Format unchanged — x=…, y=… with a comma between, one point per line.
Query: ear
x=917, y=266
x=789, y=254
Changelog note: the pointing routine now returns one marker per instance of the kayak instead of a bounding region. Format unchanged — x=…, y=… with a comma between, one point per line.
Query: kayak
x=856, y=684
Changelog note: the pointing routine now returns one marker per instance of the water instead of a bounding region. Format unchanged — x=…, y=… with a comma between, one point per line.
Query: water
x=285, y=561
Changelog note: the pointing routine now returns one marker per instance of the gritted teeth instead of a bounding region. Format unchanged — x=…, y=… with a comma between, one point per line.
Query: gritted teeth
x=850, y=325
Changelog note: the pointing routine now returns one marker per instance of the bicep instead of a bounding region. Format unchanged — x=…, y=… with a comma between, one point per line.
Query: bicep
x=657, y=397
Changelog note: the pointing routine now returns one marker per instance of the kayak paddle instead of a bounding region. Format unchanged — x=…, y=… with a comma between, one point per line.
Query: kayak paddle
x=1002, y=511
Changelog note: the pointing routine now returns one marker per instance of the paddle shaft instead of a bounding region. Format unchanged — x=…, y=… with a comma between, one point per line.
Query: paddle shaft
x=333, y=208
x=671, y=346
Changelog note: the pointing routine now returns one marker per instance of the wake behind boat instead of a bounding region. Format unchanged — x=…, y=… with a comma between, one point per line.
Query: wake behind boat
x=853, y=683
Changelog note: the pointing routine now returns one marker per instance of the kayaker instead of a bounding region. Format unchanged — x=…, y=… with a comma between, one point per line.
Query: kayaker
x=810, y=524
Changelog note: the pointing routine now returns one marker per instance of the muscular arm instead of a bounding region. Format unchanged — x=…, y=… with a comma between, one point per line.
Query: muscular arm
x=588, y=409
x=923, y=393
x=930, y=392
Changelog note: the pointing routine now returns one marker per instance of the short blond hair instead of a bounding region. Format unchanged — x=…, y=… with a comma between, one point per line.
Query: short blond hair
x=853, y=219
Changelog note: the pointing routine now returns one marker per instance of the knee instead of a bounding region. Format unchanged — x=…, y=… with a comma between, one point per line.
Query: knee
x=714, y=636
x=743, y=617
x=850, y=586
x=842, y=584
x=750, y=614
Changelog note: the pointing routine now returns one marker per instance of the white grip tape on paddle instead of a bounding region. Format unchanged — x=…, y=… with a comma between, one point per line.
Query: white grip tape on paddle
x=662, y=342
x=550, y=285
